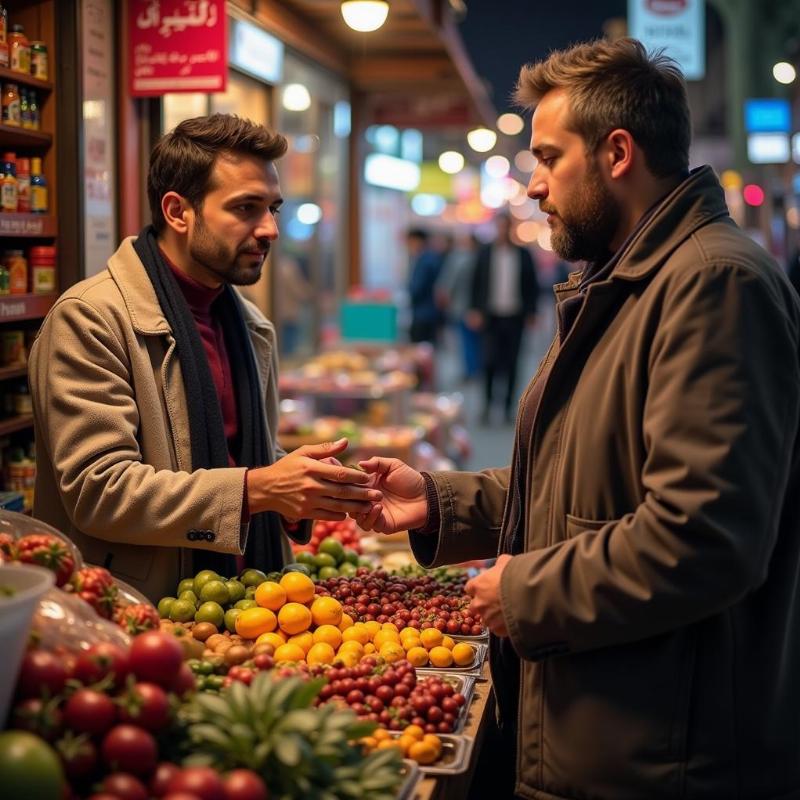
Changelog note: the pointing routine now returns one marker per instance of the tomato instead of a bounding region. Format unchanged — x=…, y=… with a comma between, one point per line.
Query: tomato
x=163, y=774
x=100, y=660
x=78, y=755
x=38, y=716
x=48, y=551
x=244, y=784
x=124, y=786
x=129, y=748
x=201, y=781
x=181, y=796
x=146, y=705
x=41, y=672
x=184, y=681
x=156, y=657
x=88, y=711
x=29, y=767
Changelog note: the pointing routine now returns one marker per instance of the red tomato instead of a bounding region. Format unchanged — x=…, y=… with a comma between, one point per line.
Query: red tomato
x=184, y=681
x=101, y=660
x=146, y=705
x=41, y=672
x=244, y=784
x=129, y=748
x=164, y=773
x=88, y=711
x=155, y=657
x=125, y=787
x=201, y=781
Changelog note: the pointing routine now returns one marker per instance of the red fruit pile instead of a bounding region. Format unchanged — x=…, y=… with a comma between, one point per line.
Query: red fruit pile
x=44, y=550
x=345, y=531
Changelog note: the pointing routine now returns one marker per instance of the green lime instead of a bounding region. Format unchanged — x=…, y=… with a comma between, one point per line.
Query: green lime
x=347, y=569
x=250, y=592
x=365, y=562
x=202, y=578
x=244, y=604
x=328, y=572
x=230, y=618
x=252, y=577
x=236, y=590
x=29, y=767
x=324, y=560
x=182, y=611
x=275, y=577
x=186, y=585
x=350, y=556
x=165, y=606
x=210, y=612
x=305, y=558
x=188, y=595
x=215, y=591
x=332, y=547
x=295, y=568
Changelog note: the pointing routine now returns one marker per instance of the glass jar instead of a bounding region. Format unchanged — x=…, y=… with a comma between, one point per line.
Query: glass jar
x=19, y=50
x=12, y=108
x=39, y=66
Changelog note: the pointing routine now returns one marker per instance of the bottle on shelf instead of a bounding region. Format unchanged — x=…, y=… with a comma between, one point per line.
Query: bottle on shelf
x=19, y=50
x=39, y=67
x=42, y=260
x=8, y=183
x=33, y=110
x=23, y=185
x=39, y=203
x=12, y=110
x=3, y=36
x=24, y=109
x=17, y=265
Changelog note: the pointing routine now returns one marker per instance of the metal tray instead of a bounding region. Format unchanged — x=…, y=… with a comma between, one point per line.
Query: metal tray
x=455, y=758
x=412, y=776
x=463, y=684
x=484, y=637
x=475, y=668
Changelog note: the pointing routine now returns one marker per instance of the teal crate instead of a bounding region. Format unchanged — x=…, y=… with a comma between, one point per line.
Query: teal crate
x=369, y=322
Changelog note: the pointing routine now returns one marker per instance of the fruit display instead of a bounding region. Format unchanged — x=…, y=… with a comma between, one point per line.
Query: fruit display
x=42, y=549
x=346, y=532
x=413, y=743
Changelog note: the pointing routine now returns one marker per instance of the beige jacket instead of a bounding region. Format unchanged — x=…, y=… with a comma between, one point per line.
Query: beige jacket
x=113, y=452
x=656, y=608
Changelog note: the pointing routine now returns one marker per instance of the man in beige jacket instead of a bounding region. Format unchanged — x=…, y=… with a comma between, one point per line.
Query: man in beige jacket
x=645, y=600
x=154, y=383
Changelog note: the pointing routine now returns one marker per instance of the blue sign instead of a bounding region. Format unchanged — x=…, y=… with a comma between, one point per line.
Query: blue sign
x=770, y=115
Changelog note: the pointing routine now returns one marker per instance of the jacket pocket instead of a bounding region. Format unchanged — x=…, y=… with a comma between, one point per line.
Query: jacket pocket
x=128, y=561
x=576, y=525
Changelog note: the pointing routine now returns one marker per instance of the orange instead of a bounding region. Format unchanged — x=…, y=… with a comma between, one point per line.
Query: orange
x=389, y=626
x=270, y=595
x=413, y=730
x=289, y=652
x=349, y=657
x=391, y=744
x=293, y=617
x=409, y=643
x=369, y=649
x=409, y=633
x=320, y=653
x=352, y=646
x=434, y=741
x=326, y=611
x=431, y=637
x=368, y=742
x=299, y=588
x=418, y=656
x=423, y=752
x=252, y=622
x=276, y=639
x=303, y=640
x=382, y=637
x=463, y=654
x=392, y=651
x=347, y=622
x=329, y=634
x=372, y=626
x=357, y=633
x=448, y=642
x=440, y=656
x=406, y=742
x=380, y=734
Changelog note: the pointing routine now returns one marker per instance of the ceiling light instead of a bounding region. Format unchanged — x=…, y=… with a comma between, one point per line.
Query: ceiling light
x=784, y=72
x=481, y=139
x=296, y=97
x=365, y=15
x=510, y=124
x=451, y=162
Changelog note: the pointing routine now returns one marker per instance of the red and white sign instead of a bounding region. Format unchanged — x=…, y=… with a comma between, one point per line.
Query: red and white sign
x=177, y=46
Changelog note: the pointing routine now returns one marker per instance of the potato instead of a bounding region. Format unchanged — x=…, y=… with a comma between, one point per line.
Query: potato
x=203, y=630
x=236, y=654
x=215, y=639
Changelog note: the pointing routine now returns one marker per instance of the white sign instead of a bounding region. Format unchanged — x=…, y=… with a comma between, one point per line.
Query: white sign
x=677, y=26
x=255, y=52
x=391, y=172
x=768, y=148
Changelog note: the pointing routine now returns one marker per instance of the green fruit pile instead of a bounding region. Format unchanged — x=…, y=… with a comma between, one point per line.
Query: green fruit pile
x=333, y=560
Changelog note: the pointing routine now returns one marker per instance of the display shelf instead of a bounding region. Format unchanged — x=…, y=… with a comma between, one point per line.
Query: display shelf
x=10, y=76
x=13, y=136
x=14, y=424
x=13, y=371
x=33, y=226
x=17, y=307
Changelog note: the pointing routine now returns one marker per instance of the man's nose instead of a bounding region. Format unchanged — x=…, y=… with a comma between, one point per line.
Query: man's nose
x=267, y=227
x=537, y=188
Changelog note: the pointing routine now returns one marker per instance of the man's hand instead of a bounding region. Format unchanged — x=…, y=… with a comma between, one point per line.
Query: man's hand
x=310, y=483
x=484, y=589
x=473, y=319
x=404, y=504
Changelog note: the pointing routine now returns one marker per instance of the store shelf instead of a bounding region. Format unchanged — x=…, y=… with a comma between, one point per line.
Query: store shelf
x=28, y=225
x=22, y=79
x=13, y=424
x=12, y=136
x=18, y=307
x=14, y=371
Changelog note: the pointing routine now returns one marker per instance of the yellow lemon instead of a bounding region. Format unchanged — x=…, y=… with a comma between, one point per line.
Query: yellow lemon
x=299, y=588
x=326, y=611
x=252, y=622
x=320, y=653
x=381, y=734
x=356, y=634
x=289, y=652
x=347, y=622
x=389, y=626
x=463, y=654
x=273, y=638
x=418, y=656
x=372, y=626
x=352, y=646
x=413, y=730
x=448, y=642
x=393, y=651
x=405, y=742
x=431, y=637
x=409, y=643
x=369, y=648
x=329, y=634
x=293, y=617
x=349, y=657
x=423, y=752
x=270, y=595
x=382, y=637
x=303, y=640
x=440, y=656
x=410, y=633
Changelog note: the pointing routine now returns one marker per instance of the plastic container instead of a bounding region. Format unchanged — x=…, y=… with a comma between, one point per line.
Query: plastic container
x=28, y=584
x=42, y=261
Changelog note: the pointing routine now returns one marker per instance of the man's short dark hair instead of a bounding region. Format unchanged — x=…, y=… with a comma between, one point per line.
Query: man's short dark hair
x=618, y=85
x=182, y=161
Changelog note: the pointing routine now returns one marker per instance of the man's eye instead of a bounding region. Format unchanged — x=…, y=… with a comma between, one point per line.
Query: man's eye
x=275, y=211
x=245, y=208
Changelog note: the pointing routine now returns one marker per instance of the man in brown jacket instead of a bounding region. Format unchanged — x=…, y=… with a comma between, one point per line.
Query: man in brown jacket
x=645, y=601
x=154, y=383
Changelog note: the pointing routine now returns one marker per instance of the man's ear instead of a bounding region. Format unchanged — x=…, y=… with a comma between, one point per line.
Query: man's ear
x=176, y=210
x=618, y=152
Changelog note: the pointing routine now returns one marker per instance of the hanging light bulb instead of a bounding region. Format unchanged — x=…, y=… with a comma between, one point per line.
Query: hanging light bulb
x=451, y=162
x=365, y=15
x=295, y=97
x=481, y=139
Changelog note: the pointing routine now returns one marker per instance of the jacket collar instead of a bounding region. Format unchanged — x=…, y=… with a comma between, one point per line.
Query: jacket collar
x=140, y=299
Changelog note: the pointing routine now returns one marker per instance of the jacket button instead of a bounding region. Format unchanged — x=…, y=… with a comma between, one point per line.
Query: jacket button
x=191, y=536
x=210, y=536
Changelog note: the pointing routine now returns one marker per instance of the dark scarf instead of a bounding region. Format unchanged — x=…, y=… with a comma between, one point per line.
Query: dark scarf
x=209, y=446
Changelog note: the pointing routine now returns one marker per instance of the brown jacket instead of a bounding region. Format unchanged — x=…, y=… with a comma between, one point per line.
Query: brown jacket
x=113, y=453
x=656, y=608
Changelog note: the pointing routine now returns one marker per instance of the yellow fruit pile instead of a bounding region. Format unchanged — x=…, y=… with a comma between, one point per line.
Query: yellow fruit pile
x=432, y=646
x=413, y=743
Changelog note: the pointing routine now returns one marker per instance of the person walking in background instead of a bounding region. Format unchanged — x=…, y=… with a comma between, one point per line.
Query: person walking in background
x=454, y=296
x=505, y=293
x=426, y=264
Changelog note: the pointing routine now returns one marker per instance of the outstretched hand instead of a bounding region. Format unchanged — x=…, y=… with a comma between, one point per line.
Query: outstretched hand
x=404, y=504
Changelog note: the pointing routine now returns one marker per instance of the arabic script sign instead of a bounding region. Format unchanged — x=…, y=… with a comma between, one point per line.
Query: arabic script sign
x=177, y=46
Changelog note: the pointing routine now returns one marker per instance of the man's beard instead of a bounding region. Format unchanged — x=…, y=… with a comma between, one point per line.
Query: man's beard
x=585, y=227
x=231, y=267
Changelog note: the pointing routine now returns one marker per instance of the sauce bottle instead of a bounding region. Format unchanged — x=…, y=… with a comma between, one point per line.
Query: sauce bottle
x=19, y=50
x=12, y=111
x=8, y=183
x=38, y=187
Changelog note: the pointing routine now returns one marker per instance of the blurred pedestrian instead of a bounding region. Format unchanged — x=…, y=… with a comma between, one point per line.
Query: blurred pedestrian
x=505, y=293
x=426, y=264
x=454, y=295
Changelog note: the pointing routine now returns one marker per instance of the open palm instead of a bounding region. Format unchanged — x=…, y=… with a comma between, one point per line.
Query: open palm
x=404, y=504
